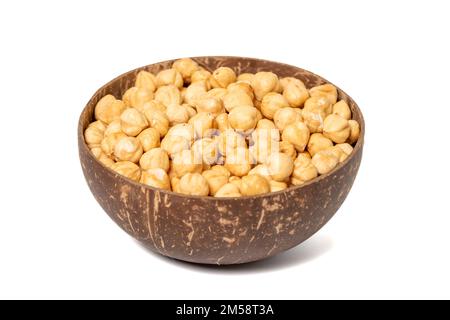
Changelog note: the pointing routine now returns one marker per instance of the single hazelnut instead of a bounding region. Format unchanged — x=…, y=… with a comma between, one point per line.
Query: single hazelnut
x=94, y=133
x=158, y=120
x=113, y=127
x=109, y=109
x=243, y=118
x=247, y=77
x=175, y=183
x=190, y=110
x=217, y=93
x=241, y=86
x=215, y=180
x=346, y=148
x=228, y=190
x=264, y=144
x=177, y=114
x=128, y=149
x=254, y=184
x=133, y=122
x=318, y=142
x=200, y=75
x=169, y=77
x=304, y=170
x=286, y=116
x=156, y=178
x=186, y=161
x=137, y=97
x=193, y=184
x=271, y=103
x=195, y=91
x=263, y=83
x=280, y=166
x=265, y=124
x=315, y=111
x=222, y=77
x=288, y=149
x=152, y=105
x=207, y=149
x=236, y=181
x=295, y=94
x=146, y=80
x=106, y=161
x=149, y=139
x=325, y=161
x=224, y=171
x=127, y=169
x=109, y=142
x=298, y=134
x=336, y=128
x=342, y=109
x=186, y=67
x=168, y=95
x=238, y=161
x=221, y=122
x=236, y=98
x=209, y=105
x=262, y=170
x=354, y=131
x=155, y=158
x=174, y=144
x=326, y=90
x=277, y=186
x=185, y=130
x=229, y=140
x=284, y=82
x=202, y=123
x=97, y=152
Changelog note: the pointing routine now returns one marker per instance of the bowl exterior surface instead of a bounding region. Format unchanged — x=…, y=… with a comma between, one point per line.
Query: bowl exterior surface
x=212, y=230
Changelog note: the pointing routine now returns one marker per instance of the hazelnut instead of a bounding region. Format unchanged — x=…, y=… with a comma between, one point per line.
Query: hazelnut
x=127, y=169
x=238, y=161
x=318, y=142
x=202, y=123
x=137, y=97
x=156, y=178
x=243, y=118
x=207, y=149
x=263, y=83
x=264, y=143
x=190, y=110
x=185, y=130
x=296, y=133
x=295, y=94
x=336, y=128
x=326, y=90
x=155, y=158
x=236, y=181
x=157, y=120
x=254, y=184
x=93, y=135
x=97, y=152
x=229, y=140
x=325, y=161
x=215, y=180
x=221, y=122
x=186, y=67
x=224, y=171
x=228, y=190
x=262, y=170
x=222, y=77
x=247, y=77
x=177, y=114
x=217, y=93
x=149, y=139
x=286, y=116
x=175, y=183
x=133, y=122
x=109, y=109
x=284, y=82
x=168, y=95
x=113, y=127
x=241, y=86
x=280, y=166
x=146, y=80
x=109, y=142
x=195, y=91
x=265, y=124
x=354, y=131
x=209, y=105
x=304, y=170
x=271, y=103
x=193, y=184
x=200, y=75
x=342, y=109
x=346, y=148
x=277, y=186
x=169, y=77
x=152, y=105
x=186, y=161
x=106, y=161
x=128, y=149
x=174, y=144
x=288, y=149
x=236, y=98
x=315, y=111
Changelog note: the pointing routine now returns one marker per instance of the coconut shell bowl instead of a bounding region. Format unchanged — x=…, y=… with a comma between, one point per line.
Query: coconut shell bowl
x=211, y=230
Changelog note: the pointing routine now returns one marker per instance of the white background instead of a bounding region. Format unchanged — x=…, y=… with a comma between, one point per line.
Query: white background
x=391, y=237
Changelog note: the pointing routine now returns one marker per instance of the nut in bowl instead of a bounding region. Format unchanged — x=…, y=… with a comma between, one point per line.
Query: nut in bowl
x=220, y=160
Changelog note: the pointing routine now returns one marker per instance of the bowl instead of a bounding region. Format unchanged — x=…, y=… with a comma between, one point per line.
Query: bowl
x=212, y=230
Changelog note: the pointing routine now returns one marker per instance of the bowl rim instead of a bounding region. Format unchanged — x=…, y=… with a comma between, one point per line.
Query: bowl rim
x=356, y=148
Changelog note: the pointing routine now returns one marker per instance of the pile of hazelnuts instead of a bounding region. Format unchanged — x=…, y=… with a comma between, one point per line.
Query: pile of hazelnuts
x=219, y=134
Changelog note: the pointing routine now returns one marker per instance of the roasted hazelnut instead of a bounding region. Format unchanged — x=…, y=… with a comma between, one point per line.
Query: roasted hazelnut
x=318, y=142
x=262, y=170
x=229, y=140
x=265, y=124
x=286, y=116
x=109, y=142
x=193, y=184
x=247, y=77
x=128, y=149
x=186, y=161
x=152, y=105
x=155, y=158
x=109, y=109
x=326, y=90
x=254, y=184
x=209, y=105
x=222, y=77
x=102, y=157
x=263, y=83
x=346, y=148
x=177, y=114
x=336, y=128
x=97, y=152
x=304, y=170
x=243, y=118
x=236, y=181
x=265, y=142
x=195, y=91
x=174, y=144
x=277, y=186
x=94, y=133
x=236, y=98
x=149, y=139
x=295, y=95
x=215, y=180
x=354, y=131
x=241, y=86
x=217, y=93
x=156, y=178
x=190, y=110
x=137, y=97
x=186, y=67
x=133, y=122
x=228, y=190
x=296, y=133
x=185, y=130
x=224, y=171
x=168, y=95
x=175, y=183
x=200, y=75
x=146, y=80
x=202, y=123
x=113, y=127
x=169, y=77
x=315, y=111
x=157, y=120
x=288, y=149
x=238, y=161
x=325, y=161
x=271, y=103
x=280, y=166
x=221, y=122
x=284, y=82
x=342, y=109
x=127, y=169
x=207, y=149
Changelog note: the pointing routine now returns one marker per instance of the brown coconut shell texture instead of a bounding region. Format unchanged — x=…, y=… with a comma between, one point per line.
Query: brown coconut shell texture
x=218, y=230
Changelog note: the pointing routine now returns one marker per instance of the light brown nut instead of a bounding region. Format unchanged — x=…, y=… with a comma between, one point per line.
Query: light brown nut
x=215, y=179
x=127, y=169
x=236, y=98
x=146, y=80
x=236, y=181
x=185, y=130
x=224, y=171
x=265, y=124
x=284, y=82
x=177, y=114
x=156, y=178
x=137, y=97
x=109, y=109
x=193, y=184
x=158, y=120
x=280, y=166
x=113, y=127
x=222, y=77
x=243, y=118
x=207, y=149
x=277, y=186
x=149, y=139
x=262, y=170
x=97, y=152
x=241, y=86
x=174, y=144
x=286, y=116
x=342, y=109
x=298, y=134
x=296, y=94
x=238, y=161
x=247, y=77
x=152, y=105
x=94, y=133
x=186, y=161
x=190, y=110
x=325, y=161
x=229, y=140
x=155, y=158
x=169, y=77
x=336, y=128
x=175, y=183
x=217, y=93
x=326, y=90
x=186, y=67
x=133, y=122
x=202, y=123
x=128, y=149
x=228, y=190
x=168, y=95
x=318, y=142
x=346, y=148
x=271, y=103
x=304, y=170
x=263, y=83
x=200, y=75
x=221, y=122
x=106, y=161
x=264, y=142
x=288, y=149
x=354, y=131
x=109, y=142
x=195, y=91
x=254, y=184
x=209, y=105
